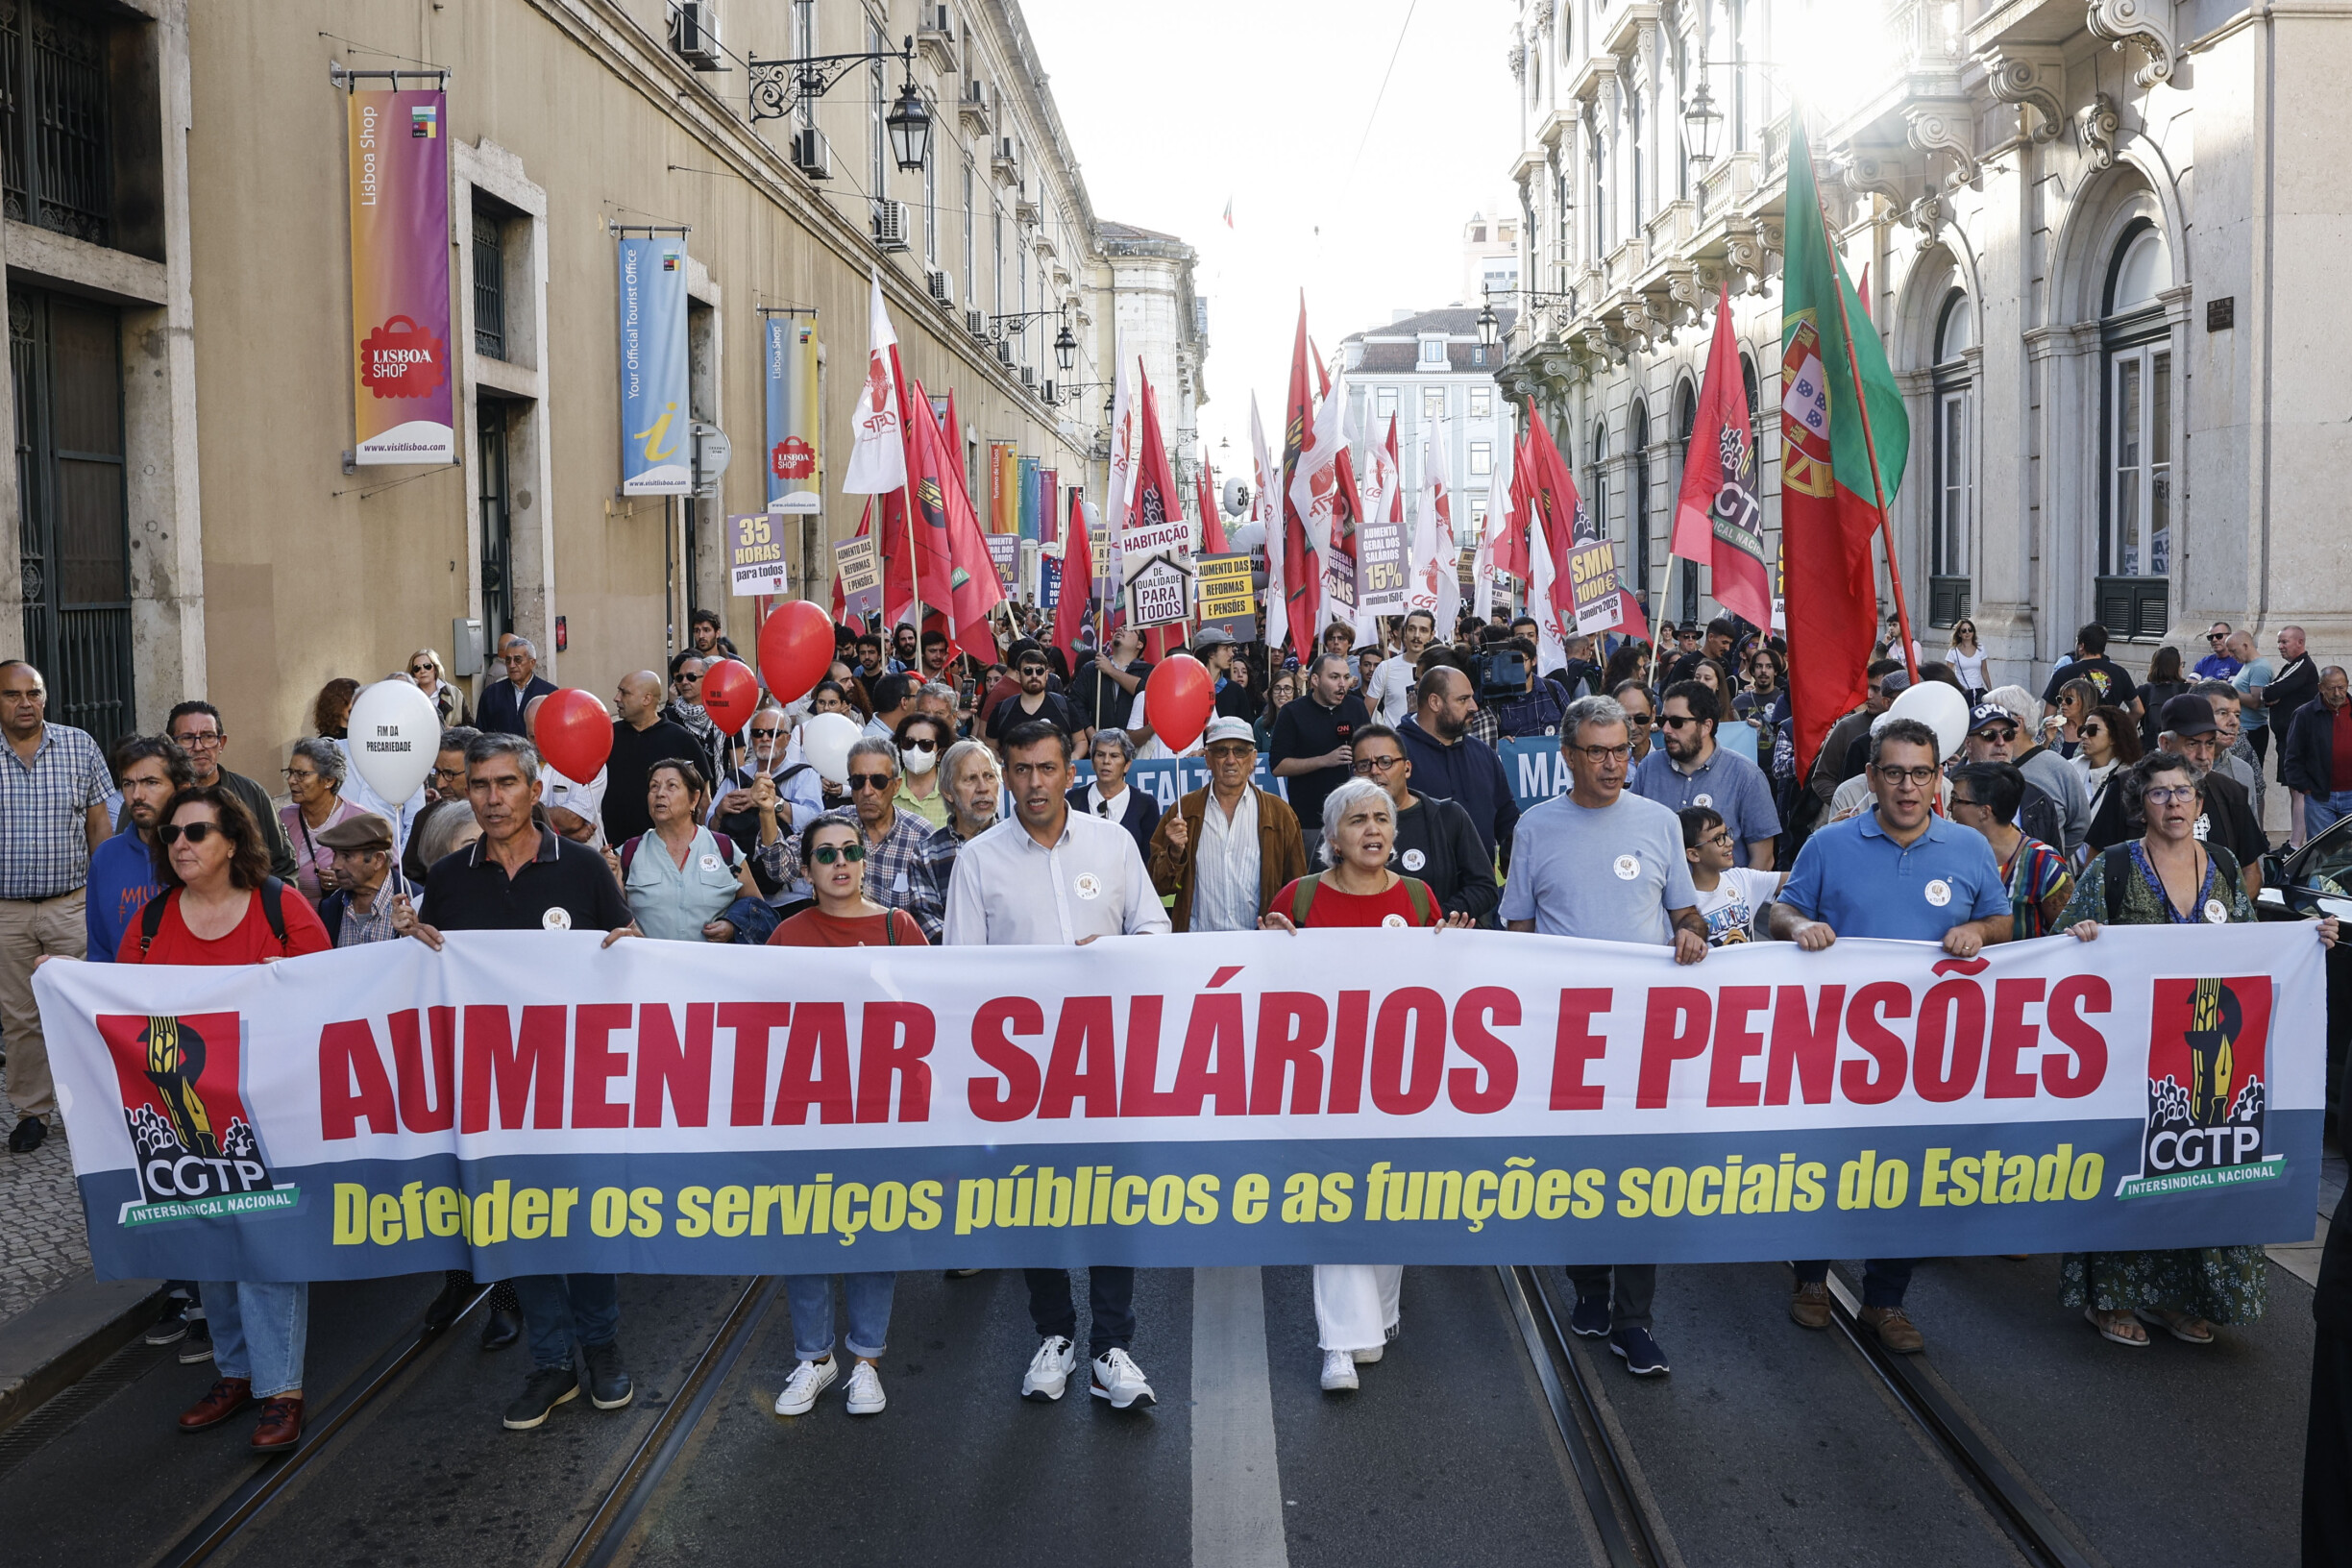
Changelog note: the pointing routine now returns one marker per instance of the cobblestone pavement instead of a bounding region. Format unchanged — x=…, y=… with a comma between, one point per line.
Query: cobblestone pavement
x=42, y=1242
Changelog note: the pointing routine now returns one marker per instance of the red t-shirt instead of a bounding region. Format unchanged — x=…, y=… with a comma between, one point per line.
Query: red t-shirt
x=1332, y=907
x=814, y=928
x=249, y=942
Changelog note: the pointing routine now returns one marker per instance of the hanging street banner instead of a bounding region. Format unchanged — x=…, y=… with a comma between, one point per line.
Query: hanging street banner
x=1224, y=594
x=858, y=568
x=402, y=393
x=755, y=553
x=656, y=436
x=793, y=478
x=524, y=1103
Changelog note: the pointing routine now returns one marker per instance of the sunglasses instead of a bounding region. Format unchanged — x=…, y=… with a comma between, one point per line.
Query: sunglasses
x=2089, y=731
x=825, y=854
x=2217, y=636
x=1028, y=670
x=759, y=734
x=421, y=669
x=2004, y=733
x=1676, y=720
x=917, y=745
x=194, y=832
x=1639, y=720
x=870, y=781
x=685, y=679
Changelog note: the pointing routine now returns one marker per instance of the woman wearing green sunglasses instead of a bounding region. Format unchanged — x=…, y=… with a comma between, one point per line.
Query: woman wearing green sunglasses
x=833, y=857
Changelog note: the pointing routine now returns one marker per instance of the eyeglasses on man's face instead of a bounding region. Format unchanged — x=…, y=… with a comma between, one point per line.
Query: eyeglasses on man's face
x=1639, y=719
x=1599, y=754
x=1920, y=776
x=759, y=734
x=870, y=781
x=1677, y=721
x=200, y=740
x=1375, y=765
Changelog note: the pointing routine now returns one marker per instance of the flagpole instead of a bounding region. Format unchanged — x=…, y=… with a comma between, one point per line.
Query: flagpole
x=1665, y=593
x=1869, y=444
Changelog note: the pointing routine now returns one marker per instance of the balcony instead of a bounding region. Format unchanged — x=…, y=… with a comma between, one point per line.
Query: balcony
x=973, y=108
x=935, y=38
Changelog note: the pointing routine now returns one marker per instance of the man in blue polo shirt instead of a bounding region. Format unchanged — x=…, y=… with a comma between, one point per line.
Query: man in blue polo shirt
x=1690, y=769
x=1902, y=873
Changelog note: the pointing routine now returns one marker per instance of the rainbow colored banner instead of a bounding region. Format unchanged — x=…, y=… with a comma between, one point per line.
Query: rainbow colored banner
x=400, y=217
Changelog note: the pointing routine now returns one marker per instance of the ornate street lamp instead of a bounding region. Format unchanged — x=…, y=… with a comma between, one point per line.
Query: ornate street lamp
x=909, y=124
x=1701, y=122
x=1065, y=349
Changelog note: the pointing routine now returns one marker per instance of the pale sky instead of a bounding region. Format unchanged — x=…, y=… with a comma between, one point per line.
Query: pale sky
x=1170, y=111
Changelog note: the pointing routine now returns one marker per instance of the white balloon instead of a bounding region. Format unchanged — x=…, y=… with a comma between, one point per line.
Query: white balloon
x=825, y=740
x=395, y=734
x=1938, y=706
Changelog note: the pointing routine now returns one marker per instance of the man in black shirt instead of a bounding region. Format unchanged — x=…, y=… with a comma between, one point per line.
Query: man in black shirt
x=641, y=738
x=2295, y=687
x=1312, y=737
x=1103, y=691
x=2228, y=820
x=1033, y=701
x=2112, y=681
x=519, y=876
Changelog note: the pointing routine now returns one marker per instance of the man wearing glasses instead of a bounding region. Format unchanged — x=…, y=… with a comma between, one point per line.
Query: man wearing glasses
x=1992, y=737
x=1033, y=701
x=502, y=702
x=1227, y=849
x=1604, y=864
x=1641, y=717
x=1899, y=871
x=1693, y=770
x=197, y=727
x=2219, y=664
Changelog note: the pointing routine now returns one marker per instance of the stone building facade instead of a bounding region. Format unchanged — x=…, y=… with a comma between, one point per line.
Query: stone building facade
x=2096, y=235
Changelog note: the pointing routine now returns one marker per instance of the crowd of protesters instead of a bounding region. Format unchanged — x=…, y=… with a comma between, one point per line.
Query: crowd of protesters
x=1355, y=787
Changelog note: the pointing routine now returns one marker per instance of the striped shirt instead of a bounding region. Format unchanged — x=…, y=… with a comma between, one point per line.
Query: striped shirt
x=45, y=805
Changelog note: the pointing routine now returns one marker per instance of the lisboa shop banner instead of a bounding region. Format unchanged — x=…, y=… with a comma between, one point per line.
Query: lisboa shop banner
x=524, y=1103
x=399, y=238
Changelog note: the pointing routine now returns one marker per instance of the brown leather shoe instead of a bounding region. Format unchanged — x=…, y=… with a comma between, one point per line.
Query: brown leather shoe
x=1895, y=1329
x=281, y=1427
x=229, y=1396
x=1809, y=1307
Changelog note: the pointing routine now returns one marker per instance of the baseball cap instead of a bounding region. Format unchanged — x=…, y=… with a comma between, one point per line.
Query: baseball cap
x=1229, y=730
x=1989, y=713
x=2187, y=715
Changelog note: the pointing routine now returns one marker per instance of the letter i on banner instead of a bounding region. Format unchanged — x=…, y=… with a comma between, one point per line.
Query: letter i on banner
x=400, y=247
x=656, y=433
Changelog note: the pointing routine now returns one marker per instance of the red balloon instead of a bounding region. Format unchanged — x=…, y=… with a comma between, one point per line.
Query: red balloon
x=796, y=649
x=731, y=690
x=1180, y=697
x=575, y=733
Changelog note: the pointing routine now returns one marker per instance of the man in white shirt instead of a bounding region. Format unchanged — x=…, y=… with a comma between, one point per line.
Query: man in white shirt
x=1224, y=851
x=1387, y=694
x=1056, y=877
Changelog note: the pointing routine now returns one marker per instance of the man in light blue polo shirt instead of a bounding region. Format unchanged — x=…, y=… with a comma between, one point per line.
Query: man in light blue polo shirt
x=1693, y=770
x=1902, y=873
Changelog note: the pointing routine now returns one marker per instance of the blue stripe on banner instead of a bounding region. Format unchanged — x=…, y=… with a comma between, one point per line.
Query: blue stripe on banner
x=1625, y=1198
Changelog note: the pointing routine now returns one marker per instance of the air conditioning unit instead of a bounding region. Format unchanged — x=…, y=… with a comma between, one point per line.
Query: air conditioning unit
x=942, y=288
x=694, y=33
x=811, y=153
x=1004, y=352
x=892, y=225
x=976, y=324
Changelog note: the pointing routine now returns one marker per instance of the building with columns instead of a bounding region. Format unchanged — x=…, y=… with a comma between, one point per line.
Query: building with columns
x=2096, y=235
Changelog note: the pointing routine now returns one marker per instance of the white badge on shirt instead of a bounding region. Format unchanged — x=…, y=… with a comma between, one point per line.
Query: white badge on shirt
x=1703, y=799
x=2204, y=826
x=1626, y=868
x=2215, y=912
x=1413, y=860
x=1939, y=893
x=1396, y=921
x=557, y=918
x=711, y=863
x=1087, y=885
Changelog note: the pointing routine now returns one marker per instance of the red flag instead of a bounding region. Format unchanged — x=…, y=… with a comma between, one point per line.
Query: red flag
x=1213, y=527
x=1077, y=582
x=1552, y=512
x=1719, y=519
x=1302, y=571
x=1156, y=499
x=946, y=521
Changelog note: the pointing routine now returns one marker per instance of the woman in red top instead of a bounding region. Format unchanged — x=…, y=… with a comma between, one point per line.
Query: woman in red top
x=216, y=908
x=1359, y=830
x=835, y=857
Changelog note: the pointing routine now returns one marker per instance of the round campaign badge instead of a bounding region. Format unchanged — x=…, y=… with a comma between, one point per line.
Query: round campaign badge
x=1939, y=893
x=1413, y=860
x=1626, y=868
x=1395, y=920
x=557, y=918
x=1703, y=799
x=2215, y=912
x=1088, y=885
x=711, y=863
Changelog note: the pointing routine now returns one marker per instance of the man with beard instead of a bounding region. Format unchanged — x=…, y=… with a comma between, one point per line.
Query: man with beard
x=1452, y=763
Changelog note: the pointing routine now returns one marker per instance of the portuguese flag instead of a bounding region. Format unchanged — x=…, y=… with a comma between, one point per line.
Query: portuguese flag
x=1838, y=406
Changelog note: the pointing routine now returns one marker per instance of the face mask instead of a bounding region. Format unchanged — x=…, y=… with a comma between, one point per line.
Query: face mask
x=917, y=761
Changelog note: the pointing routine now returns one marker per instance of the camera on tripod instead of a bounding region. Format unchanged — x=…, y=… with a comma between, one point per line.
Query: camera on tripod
x=1502, y=672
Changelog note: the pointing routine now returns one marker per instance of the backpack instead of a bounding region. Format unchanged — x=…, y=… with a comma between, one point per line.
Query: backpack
x=2116, y=867
x=629, y=854
x=273, y=910
x=1303, y=899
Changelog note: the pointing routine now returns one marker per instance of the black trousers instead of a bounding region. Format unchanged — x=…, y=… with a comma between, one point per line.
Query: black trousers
x=2327, y=1458
x=1110, y=1297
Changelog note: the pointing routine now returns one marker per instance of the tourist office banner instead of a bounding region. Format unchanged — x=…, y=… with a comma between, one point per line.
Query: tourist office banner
x=656, y=435
x=526, y=1103
x=400, y=278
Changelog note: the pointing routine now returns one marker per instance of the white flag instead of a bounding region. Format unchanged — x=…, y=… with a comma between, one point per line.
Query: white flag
x=1119, y=492
x=1435, y=583
x=877, y=455
x=1265, y=510
x=1315, y=483
x=1551, y=639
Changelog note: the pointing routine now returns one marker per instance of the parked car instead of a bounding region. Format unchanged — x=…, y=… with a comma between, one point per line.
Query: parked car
x=2297, y=885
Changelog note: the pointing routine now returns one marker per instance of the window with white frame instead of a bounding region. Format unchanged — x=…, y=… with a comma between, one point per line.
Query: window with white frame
x=931, y=247
x=1385, y=402
x=2137, y=351
x=1432, y=350
x=1481, y=403
x=971, y=244
x=1482, y=460
x=1952, y=554
x=878, y=140
x=1432, y=402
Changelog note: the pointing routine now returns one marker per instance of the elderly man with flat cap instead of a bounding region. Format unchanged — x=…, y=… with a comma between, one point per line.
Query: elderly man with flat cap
x=360, y=909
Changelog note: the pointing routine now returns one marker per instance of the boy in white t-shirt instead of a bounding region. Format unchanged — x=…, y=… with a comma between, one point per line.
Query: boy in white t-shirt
x=1729, y=895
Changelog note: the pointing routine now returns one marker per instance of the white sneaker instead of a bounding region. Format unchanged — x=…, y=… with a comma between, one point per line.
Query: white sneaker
x=1050, y=1369
x=1365, y=1358
x=1118, y=1380
x=808, y=1380
x=1339, y=1370
x=866, y=1396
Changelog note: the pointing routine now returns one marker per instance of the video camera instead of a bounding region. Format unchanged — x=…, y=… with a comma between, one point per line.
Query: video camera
x=1500, y=671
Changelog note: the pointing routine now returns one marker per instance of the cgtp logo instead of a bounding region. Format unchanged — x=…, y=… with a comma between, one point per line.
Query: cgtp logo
x=2207, y=1088
x=193, y=1144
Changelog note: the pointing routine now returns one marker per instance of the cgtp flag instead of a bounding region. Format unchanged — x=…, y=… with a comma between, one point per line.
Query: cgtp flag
x=1719, y=518
x=878, y=454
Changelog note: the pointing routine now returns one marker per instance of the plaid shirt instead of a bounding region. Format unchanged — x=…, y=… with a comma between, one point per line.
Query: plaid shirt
x=1537, y=712
x=933, y=866
x=1483, y=726
x=893, y=866
x=45, y=827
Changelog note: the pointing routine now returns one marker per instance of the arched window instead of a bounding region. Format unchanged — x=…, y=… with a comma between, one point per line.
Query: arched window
x=1954, y=501
x=2136, y=511
x=1637, y=508
x=1595, y=488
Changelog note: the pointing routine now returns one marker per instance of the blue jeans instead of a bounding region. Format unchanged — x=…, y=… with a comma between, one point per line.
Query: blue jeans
x=260, y=1331
x=561, y=1310
x=869, y=1299
x=2320, y=811
x=1884, y=1280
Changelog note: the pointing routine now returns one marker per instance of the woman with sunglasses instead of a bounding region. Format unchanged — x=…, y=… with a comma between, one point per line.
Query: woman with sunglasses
x=681, y=881
x=2110, y=745
x=220, y=906
x=314, y=782
x=447, y=700
x=921, y=740
x=2167, y=877
x=1969, y=661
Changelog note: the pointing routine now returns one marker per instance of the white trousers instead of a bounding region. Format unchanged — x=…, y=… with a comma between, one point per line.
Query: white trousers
x=1355, y=1304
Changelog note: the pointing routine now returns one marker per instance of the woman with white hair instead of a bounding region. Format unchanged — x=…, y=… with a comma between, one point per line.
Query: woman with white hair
x=1357, y=1303
x=314, y=778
